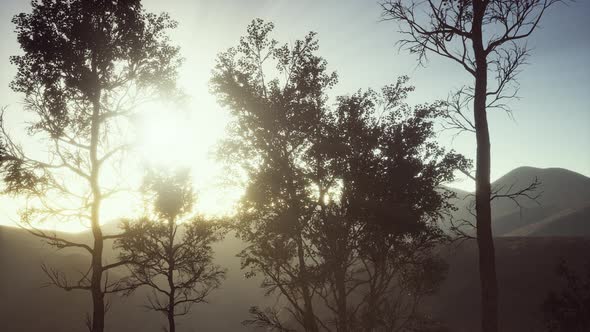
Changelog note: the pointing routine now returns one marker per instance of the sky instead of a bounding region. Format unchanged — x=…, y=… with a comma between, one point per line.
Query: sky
x=550, y=126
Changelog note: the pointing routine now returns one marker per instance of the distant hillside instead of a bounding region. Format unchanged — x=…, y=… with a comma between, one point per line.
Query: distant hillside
x=22, y=295
x=563, y=194
x=525, y=273
x=560, y=188
x=525, y=269
x=567, y=222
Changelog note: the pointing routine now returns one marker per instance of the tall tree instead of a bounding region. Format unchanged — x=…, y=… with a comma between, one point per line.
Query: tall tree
x=171, y=247
x=377, y=233
x=482, y=36
x=85, y=65
x=339, y=202
x=268, y=140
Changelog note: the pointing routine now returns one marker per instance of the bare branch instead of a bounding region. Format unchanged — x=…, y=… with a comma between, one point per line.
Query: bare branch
x=530, y=192
x=60, y=280
x=54, y=240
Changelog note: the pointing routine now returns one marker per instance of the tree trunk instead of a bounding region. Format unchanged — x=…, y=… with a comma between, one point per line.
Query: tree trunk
x=485, y=241
x=371, y=322
x=310, y=325
x=98, y=311
x=96, y=278
x=340, y=276
x=171, y=323
x=171, y=260
x=309, y=317
x=339, y=270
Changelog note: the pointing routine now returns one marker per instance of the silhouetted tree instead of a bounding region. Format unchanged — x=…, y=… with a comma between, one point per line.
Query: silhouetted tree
x=2, y=144
x=339, y=203
x=569, y=310
x=85, y=66
x=269, y=139
x=170, y=251
x=482, y=36
x=376, y=236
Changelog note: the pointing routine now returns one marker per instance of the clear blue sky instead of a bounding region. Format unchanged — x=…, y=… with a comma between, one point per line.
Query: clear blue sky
x=551, y=126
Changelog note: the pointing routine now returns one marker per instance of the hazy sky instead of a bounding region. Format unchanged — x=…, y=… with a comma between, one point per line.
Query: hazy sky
x=551, y=125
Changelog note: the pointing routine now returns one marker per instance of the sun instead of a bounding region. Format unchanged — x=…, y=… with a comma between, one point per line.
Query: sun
x=187, y=138
x=164, y=137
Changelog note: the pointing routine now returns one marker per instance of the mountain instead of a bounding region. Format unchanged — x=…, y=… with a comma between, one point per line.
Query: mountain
x=560, y=188
x=562, y=208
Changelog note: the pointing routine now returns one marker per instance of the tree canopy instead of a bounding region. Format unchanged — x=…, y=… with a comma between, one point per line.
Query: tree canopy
x=171, y=247
x=337, y=198
x=85, y=66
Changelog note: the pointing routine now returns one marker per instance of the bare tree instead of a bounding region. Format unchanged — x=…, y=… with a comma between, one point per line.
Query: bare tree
x=483, y=37
x=85, y=66
x=173, y=259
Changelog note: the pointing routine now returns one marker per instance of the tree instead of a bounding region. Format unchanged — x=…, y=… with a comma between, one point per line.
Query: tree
x=377, y=234
x=339, y=202
x=569, y=310
x=160, y=250
x=85, y=67
x=482, y=36
x=269, y=139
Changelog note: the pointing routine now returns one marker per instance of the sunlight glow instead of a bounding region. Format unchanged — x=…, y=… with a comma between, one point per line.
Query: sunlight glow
x=171, y=138
x=165, y=138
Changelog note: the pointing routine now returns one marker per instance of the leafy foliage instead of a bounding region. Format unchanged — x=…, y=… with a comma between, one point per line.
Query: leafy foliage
x=340, y=203
x=78, y=55
x=85, y=66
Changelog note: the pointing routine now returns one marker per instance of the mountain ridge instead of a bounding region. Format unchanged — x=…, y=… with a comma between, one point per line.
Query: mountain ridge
x=562, y=193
